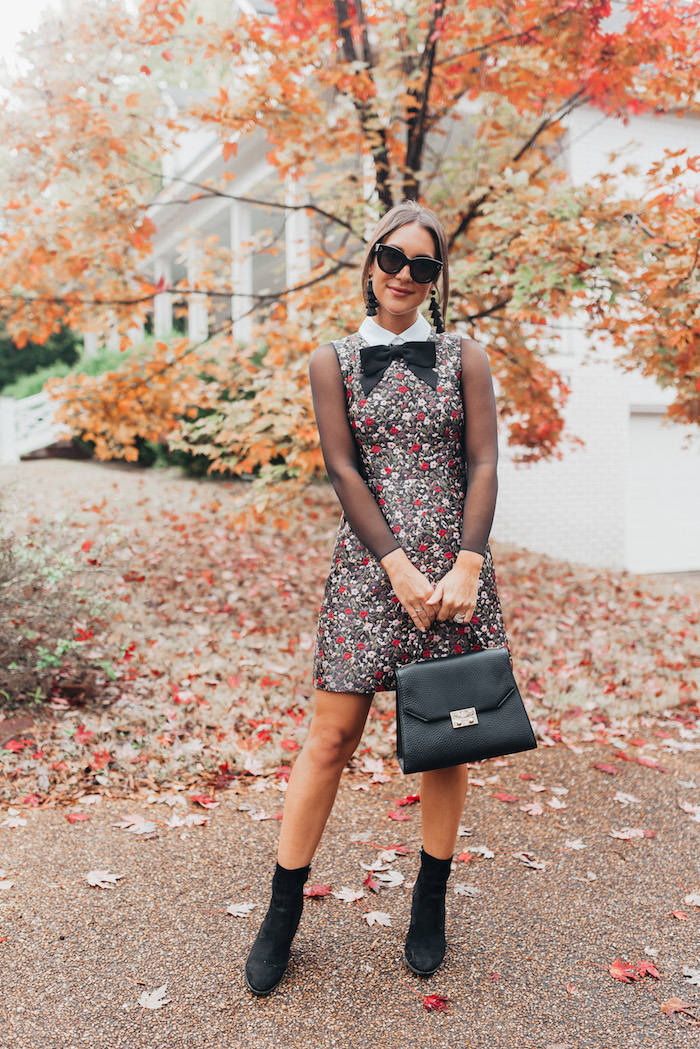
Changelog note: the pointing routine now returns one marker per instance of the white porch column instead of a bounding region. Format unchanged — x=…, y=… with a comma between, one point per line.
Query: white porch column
x=197, y=309
x=241, y=271
x=91, y=341
x=8, y=444
x=297, y=232
x=163, y=302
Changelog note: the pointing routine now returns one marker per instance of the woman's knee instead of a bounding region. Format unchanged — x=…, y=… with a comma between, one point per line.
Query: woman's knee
x=332, y=745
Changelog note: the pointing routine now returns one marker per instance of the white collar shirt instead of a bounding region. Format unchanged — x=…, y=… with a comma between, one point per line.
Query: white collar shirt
x=375, y=335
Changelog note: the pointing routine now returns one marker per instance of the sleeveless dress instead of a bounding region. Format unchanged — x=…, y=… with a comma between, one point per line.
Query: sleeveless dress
x=410, y=442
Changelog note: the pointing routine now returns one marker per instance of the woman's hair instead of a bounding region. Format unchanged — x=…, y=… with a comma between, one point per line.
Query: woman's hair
x=409, y=211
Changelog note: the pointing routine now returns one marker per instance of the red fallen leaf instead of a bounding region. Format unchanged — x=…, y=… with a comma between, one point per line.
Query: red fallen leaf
x=396, y=815
x=204, y=801
x=465, y=857
x=32, y=800
x=624, y=971
x=133, y=577
x=573, y=990
x=494, y=976
x=15, y=745
x=86, y=546
x=651, y=764
x=681, y=915
x=410, y=799
x=435, y=1003
x=289, y=744
x=283, y=772
x=508, y=798
x=610, y=770
x=372, y=883
x=312, y=891
x=82, y=734
x=146, y=70
x=628, y=972
x=620, y=754
x=76, y=817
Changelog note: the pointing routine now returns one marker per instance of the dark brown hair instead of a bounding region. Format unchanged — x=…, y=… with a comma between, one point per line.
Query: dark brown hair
x=405, y=214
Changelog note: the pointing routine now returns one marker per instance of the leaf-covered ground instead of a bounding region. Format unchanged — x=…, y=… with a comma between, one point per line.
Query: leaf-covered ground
x=213, y=624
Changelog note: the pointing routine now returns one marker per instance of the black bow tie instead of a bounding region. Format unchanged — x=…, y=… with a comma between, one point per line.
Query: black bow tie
x=419, y=357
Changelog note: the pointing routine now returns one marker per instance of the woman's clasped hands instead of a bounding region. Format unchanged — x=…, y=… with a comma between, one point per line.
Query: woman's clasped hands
x=454, y=596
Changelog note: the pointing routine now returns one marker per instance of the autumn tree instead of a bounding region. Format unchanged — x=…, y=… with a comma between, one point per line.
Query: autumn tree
x=462, y=104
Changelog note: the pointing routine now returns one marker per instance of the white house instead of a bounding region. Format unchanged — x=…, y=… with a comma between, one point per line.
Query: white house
x=628, y=499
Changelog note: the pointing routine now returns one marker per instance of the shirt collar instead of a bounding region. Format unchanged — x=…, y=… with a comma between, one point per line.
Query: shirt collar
x=375, y=335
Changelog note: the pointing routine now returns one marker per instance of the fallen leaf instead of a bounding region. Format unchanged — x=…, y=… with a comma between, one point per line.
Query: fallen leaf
x=410, y=799
x=609, y=770
x=576, y=843
x=510, y=799
x=462, y=889
x=391, y=879
x=5, y=884
x=154, y=999
x=76, y=817
x=626, y=799
x=348, y=895
x=436, y=1003
x=377, y=918
x=692, y=976
x=396, y=815
x=693, y=899
x=240, y=910
x=138, y=825
x=529, y=860
x=312, y=891
x=204, y=801
x=481, y=850
x=628, y=972
x=103, y=879
x=674, y=1005
x=533, y=808
x=680, y=915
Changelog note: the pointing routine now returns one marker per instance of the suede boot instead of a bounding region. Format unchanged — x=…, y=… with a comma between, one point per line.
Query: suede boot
x=425, y=942
x=269, y=955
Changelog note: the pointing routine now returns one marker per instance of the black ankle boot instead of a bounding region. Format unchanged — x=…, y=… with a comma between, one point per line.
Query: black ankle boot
x=425, y=942
x=267, y=961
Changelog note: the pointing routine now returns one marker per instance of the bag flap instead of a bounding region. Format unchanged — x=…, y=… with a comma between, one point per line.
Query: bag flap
x=431, y=689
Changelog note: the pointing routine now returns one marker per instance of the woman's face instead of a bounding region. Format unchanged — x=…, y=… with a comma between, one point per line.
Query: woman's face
x=399, y=296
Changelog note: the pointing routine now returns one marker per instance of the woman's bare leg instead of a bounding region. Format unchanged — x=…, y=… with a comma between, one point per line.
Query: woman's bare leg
x=442, y=794
x=336, y=729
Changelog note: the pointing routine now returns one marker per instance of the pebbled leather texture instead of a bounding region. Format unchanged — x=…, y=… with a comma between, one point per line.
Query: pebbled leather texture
x=426, y=693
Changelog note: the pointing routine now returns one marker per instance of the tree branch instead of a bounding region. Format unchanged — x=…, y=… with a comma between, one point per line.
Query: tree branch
x=418, y=113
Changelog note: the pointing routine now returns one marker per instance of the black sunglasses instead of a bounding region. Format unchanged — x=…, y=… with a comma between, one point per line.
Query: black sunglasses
x=423, y=268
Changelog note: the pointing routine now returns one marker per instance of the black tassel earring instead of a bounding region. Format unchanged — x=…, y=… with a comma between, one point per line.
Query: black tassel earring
x=435, y=313
x=372, y=301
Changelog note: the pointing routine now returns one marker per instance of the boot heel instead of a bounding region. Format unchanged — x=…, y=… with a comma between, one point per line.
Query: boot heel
x=425, y=942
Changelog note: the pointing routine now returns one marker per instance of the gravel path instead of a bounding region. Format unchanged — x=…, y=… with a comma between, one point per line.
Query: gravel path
x=529, y=951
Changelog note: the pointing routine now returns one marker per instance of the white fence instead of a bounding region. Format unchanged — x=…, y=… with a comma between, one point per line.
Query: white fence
x=26, y=426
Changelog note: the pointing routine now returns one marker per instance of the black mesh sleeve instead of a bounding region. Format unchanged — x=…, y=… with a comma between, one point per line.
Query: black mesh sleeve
x=340, y=454
x=480, y=447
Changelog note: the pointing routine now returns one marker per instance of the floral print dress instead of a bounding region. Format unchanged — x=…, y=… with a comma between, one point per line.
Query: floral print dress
x=410, y=441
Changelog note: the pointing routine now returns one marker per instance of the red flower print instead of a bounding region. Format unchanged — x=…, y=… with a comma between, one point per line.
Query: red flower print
x=443, y=531
x=403, y=389
x=369, y=422
x=415, y=447
x=396, y=529
x=422, y=547
x=424, y=466
x=381, y=502
x=363, y=614
x=376, y=448
x=387, y=469
x=362, y=403
x=394, y=429
x=361, y=645
x=449, y=555
x=420, y=416
x=341, y=640
x=365, y=560
x=417, y=502
x=457, y=648
x=348, y=655
x=395, y=643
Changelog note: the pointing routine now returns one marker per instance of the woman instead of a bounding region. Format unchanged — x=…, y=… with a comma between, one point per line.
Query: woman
x=407, y=420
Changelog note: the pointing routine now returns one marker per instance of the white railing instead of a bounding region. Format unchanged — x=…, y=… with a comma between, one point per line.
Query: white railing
x=26, y=426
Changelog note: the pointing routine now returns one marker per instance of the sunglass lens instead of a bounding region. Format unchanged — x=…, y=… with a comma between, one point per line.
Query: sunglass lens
x=391, y=260
x=424, y=270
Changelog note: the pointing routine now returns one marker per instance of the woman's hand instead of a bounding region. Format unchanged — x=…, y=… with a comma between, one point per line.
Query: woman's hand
x=456, y=593
x=412, y=588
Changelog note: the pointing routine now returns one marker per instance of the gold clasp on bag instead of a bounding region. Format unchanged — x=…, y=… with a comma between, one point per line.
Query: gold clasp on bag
x=463, y=718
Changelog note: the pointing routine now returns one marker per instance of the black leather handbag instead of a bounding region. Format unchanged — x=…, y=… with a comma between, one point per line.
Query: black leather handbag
x=459, y=709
